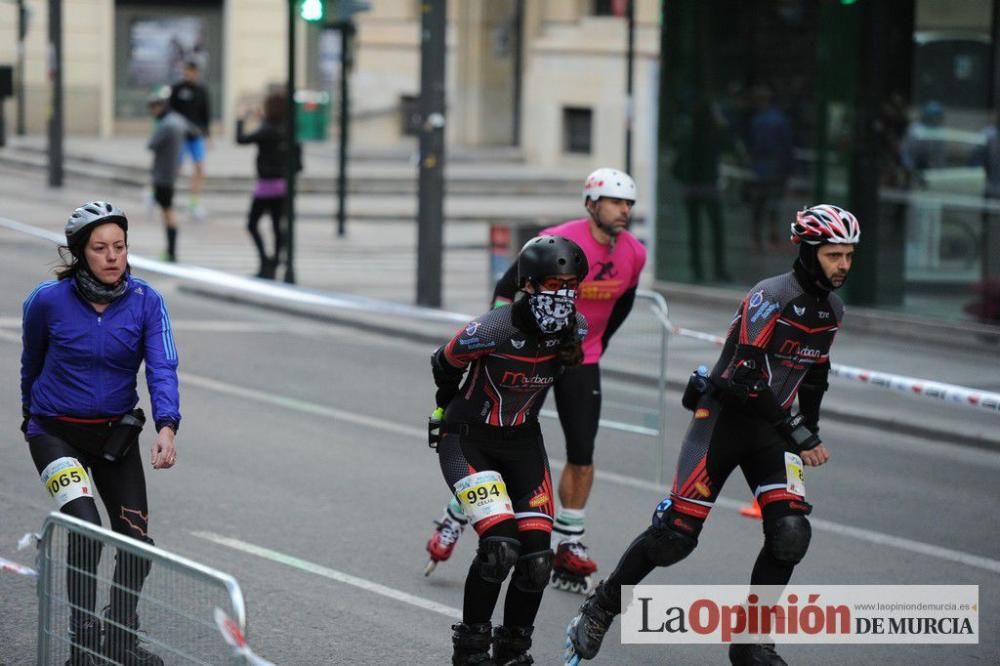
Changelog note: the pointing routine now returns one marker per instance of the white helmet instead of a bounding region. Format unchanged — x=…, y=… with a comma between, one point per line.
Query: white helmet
x=609, y=183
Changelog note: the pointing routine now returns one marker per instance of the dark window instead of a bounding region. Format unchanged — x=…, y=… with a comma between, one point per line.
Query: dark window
x=576, y=130
x=604, y=7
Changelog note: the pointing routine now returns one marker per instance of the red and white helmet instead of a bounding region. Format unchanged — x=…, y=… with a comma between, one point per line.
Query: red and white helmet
x=825, y=223
x=609, y=183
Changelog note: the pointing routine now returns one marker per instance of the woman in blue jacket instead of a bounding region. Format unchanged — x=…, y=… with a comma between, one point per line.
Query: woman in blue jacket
x=85, y=335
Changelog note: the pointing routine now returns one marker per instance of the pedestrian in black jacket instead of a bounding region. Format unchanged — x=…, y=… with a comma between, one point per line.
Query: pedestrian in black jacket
x=272, y=187
x=189, y=97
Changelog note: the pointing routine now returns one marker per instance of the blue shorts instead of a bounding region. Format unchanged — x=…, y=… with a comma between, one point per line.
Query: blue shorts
x=195, y=147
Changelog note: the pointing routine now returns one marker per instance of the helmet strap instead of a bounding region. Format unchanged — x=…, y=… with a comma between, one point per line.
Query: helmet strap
x=606, y=229
x=809, y=268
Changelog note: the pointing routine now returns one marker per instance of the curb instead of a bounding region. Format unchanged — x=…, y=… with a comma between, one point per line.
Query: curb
x=434, y=334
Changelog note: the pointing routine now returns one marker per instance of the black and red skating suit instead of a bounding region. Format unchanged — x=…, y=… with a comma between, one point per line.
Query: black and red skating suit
x=491, y=421
x=777, y=348
x=792, y=325
x=510, y=368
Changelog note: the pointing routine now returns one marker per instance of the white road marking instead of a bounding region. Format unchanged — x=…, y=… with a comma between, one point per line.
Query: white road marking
x=300, y=405
x=870, y=536
x=332, y=574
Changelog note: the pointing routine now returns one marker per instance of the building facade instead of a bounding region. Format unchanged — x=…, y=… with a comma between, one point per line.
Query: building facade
x=546, y=77
x=886, y=107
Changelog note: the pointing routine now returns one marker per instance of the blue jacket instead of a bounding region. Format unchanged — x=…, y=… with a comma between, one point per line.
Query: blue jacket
x=76, y=362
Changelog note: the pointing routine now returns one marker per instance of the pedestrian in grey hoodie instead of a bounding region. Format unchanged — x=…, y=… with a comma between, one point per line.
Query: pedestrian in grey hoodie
x=166, y=143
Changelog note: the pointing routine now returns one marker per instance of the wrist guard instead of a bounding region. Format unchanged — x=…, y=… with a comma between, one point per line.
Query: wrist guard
x=798, y=435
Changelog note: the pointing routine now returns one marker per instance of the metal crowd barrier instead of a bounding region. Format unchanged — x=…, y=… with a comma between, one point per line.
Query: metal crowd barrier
x=638, y=347
x=176, y=604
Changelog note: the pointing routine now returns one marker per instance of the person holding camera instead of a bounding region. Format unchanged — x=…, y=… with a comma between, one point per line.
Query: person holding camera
x=777, y=349
x=271, y=191
x=85, y=336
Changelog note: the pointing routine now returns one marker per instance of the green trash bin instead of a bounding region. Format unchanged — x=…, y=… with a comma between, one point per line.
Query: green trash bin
x=312, y=115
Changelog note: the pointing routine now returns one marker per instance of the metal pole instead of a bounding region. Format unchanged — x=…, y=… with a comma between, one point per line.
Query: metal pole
x=293, y=149
x=346, y=31
x=22, y=31
x=629, y=101
x=518, y=67
x=56, y=87
x=431, y=182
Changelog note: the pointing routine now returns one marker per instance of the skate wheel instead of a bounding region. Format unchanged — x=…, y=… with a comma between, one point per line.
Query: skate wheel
x=570, y=657
x=430, y=567
x=588, y=585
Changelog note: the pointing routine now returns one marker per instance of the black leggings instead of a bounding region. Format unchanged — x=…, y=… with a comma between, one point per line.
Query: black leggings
x=578, y=401
x=276, y=209
x=122, y=486
x=524, y=466
x=724, y=437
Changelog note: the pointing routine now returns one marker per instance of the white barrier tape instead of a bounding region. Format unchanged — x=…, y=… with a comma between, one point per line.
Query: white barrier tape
x=950, y=393
x=234, y=637
x=28, y=540
x=14, y=567
x=698, y=335
x=925, y=388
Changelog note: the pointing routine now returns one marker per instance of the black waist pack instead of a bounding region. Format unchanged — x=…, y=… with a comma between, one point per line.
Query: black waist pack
x=124, y=435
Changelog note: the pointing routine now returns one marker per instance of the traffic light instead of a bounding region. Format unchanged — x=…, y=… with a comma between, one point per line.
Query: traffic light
x=312, y=10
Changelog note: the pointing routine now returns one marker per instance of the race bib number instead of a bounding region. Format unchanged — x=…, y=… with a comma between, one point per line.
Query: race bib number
x=66, y=480
x=482, y=495
x=793, y=472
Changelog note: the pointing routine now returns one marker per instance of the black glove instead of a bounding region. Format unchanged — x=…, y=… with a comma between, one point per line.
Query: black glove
x=570, y=352
x=25, y=417
x=448, y=379
x=799, y=436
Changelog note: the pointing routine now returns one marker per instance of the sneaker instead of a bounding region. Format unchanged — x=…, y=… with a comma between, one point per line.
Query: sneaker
x=121, y=644
x=85, y=645
x=586, y=631
x=198, y=213
x=754, y=654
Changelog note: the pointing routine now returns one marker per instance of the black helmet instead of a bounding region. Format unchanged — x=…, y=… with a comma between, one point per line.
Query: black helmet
x=88, y=216
x=544, y=256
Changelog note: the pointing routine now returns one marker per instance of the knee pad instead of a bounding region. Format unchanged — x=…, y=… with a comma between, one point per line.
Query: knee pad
x=787, y=538
x=495, y=557
x=665, y=546
x=532, y=571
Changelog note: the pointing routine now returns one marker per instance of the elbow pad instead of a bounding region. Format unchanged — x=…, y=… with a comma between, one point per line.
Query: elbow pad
x=443, y=371
x=447, y=378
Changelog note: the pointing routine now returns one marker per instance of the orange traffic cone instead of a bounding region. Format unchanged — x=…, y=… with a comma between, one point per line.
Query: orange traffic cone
x=751, y=510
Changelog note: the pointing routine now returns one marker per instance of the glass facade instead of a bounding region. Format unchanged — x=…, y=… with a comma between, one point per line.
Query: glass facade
x=885, y=107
